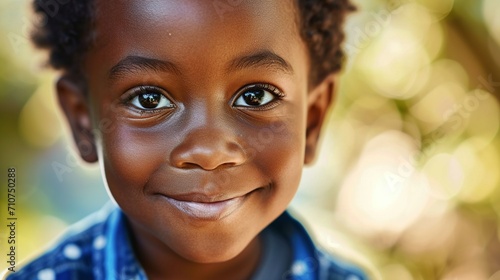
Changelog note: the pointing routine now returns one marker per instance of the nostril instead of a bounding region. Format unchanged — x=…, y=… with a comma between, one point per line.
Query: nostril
x=186, y=165
x=207, y=155
x=189, y=165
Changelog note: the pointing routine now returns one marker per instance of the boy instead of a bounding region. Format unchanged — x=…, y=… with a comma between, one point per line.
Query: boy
x=201, y=115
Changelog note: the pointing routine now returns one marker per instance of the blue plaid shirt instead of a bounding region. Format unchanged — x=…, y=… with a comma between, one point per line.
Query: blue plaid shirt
x=99, y=248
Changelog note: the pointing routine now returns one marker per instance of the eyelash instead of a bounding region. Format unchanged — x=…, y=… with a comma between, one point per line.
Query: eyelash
x=268, y=87
x=145, y=89
x=141, y=90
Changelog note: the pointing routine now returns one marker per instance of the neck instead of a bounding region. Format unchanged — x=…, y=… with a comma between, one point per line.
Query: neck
x=160, y=262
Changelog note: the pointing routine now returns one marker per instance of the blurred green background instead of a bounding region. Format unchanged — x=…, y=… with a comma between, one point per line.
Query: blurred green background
x=408, y=179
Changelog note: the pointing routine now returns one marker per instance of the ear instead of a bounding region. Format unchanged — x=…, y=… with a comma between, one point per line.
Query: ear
x=73, y=101
x=319, y=101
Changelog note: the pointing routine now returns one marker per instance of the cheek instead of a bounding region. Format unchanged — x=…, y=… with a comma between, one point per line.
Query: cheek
x=130, y=156
x=281, y=156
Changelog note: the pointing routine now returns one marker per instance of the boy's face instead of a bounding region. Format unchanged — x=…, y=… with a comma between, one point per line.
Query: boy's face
x=205, y=116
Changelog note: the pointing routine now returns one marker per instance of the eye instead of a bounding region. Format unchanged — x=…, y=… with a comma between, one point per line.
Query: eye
x=257, y=96
x=149, y=98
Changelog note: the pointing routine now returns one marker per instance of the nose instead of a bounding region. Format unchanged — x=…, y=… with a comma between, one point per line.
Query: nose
x=208, y=149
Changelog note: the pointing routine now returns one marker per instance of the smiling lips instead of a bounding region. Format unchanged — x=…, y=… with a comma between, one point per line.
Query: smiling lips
x=210, y=211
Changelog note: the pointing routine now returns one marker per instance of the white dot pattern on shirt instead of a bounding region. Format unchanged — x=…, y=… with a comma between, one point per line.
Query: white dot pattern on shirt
x=299, y=268
x=99, y=242
x=46, y=274
x=72, y=252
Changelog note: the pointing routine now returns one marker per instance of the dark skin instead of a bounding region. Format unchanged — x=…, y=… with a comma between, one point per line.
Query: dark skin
x=182, y=103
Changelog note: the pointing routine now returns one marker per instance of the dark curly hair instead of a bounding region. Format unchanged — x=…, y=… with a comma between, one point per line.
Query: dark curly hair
x=66, y=32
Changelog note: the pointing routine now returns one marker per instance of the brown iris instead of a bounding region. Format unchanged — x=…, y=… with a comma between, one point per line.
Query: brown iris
x=254, y=97
x=149, y=100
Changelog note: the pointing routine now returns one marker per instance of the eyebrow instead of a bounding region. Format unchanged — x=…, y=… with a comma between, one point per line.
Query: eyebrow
x=264, y=58
x=132, y=63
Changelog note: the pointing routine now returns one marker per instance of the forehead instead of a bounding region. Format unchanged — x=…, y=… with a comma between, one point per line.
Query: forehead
x=194, y=31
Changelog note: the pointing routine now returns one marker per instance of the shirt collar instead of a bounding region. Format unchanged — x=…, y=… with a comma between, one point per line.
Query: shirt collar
x=119, y=259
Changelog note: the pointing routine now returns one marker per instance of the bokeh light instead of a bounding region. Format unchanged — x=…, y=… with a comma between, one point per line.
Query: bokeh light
x=416, y=126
